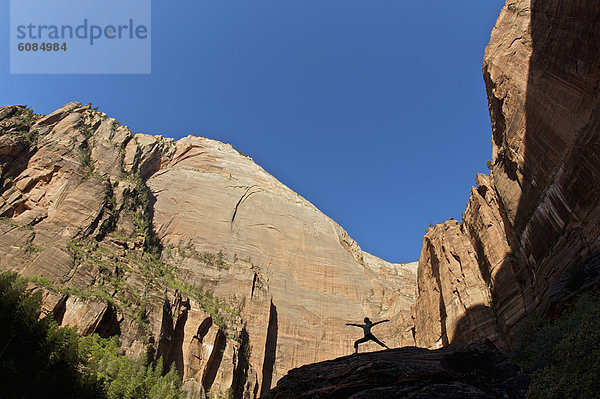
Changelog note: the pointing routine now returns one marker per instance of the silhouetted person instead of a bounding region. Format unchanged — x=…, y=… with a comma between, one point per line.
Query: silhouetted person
x=368, y=336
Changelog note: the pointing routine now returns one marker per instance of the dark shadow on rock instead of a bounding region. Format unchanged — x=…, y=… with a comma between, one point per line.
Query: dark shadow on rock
x=270, y=351
x=58, y=313
x=153, y=243
x=15, y=153
x=561, y=165
x=214, y=361
x=194, y=356
x=107, y=323
x=176, y=355
x=435, y=264
x=565, y=59
x=166, y=330
x=241, y=371
x=467, y=329
x=203, y=328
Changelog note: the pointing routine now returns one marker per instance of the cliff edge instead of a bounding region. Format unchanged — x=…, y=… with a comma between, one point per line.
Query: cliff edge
x=535, y=220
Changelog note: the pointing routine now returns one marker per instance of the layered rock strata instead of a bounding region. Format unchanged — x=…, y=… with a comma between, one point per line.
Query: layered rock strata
x=186, y=249
x=536, y=217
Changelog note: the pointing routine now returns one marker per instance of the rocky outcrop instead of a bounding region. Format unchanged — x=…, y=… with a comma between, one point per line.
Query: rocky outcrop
x=450, y=284
x=186, y=249
x=475, y=370
x=535, y=218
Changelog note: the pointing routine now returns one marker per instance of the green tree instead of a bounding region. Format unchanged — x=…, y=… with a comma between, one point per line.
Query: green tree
x=38, y=358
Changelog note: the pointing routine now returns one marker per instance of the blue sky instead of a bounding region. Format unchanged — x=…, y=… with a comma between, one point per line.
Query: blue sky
x=373, y=110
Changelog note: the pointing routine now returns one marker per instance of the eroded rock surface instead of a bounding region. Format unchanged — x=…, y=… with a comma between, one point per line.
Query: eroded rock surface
x=187, y=249
x=537, y=215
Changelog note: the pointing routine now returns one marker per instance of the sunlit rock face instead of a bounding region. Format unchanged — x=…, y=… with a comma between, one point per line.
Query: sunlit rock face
x=186, y=249
x=213, y=199
x=536, y=217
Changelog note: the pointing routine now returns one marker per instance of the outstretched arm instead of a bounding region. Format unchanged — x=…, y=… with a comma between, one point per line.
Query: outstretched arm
x=382, y=321
x=352, y=324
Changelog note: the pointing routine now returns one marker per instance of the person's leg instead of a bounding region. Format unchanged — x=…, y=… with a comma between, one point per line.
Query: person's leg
x=378, y=342
x=360, y=341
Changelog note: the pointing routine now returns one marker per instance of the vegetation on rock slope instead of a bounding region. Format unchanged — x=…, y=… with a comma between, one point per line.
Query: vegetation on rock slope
x=40, y=359
x=563, y=353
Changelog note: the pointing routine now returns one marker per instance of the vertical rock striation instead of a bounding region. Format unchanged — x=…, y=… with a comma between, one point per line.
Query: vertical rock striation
x=536, y=216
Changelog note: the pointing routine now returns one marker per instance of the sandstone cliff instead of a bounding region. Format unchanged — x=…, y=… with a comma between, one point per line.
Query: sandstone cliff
x=186, y=249
x=535, y=218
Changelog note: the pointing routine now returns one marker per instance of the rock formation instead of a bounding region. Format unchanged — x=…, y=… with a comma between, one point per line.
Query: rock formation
x=190, y=251
x=475, y=370
x=187, y=250
x=536, y=217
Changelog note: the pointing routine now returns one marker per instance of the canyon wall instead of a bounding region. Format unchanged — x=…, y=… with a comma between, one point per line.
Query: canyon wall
x=531, y=230
x=187, y=250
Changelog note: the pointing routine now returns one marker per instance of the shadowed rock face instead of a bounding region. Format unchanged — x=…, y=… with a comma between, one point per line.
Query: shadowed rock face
x=475, y=370
x=187, y=249
x=537, y=214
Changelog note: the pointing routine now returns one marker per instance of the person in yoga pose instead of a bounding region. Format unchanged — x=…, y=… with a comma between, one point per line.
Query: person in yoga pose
x=367, y=330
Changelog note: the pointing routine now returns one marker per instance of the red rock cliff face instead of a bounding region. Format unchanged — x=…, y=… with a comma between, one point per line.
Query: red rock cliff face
x=187, y=249
x=537, y=214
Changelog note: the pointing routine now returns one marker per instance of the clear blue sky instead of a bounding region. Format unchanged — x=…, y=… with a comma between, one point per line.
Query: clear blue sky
x=373, y=110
